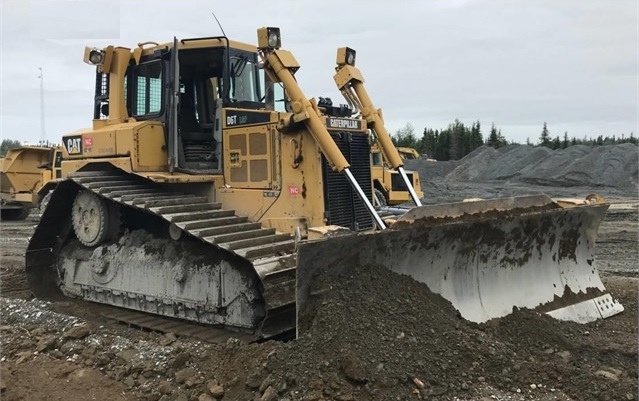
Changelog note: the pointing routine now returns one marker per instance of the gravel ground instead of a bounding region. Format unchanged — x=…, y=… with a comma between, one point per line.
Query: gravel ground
x=411, y=345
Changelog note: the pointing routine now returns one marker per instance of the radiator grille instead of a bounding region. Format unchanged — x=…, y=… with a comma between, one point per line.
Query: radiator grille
x=343, y=206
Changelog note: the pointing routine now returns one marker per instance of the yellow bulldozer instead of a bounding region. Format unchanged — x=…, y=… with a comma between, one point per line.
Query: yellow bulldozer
x=195, y=196
x=26, y=175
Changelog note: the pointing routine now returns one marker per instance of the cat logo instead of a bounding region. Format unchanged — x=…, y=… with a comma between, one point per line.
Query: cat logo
x=73, y=144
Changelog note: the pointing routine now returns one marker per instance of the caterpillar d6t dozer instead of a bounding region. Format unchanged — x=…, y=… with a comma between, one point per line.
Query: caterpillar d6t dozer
x=194, y=197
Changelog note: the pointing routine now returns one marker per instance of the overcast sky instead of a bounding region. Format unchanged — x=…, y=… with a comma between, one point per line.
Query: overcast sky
x=573, y=64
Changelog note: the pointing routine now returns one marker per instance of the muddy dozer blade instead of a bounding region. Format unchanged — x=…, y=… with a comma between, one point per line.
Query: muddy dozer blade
x=485, y=257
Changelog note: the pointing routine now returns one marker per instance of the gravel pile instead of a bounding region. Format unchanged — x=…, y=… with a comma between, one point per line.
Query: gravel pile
x=431, y=171
x=379, y=336
x=615, y=166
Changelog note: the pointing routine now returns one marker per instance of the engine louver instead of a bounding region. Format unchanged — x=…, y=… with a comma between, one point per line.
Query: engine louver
x=342, y=205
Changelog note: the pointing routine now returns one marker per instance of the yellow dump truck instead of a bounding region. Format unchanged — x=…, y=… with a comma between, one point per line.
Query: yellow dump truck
x=390, y=188
x=24, y=174
x=408, y=153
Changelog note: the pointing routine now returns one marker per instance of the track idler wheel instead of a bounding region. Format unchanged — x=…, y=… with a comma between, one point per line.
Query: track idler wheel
x=93, y=220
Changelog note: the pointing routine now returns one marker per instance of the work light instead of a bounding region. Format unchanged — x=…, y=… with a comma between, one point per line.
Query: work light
x=346, y=55
x=96, y=56
x=269, y=38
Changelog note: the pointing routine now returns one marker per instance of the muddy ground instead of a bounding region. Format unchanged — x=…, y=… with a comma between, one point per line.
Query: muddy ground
x=408, y=345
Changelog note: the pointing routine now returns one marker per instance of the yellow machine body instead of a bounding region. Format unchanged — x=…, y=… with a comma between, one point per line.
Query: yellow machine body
x=24, y=172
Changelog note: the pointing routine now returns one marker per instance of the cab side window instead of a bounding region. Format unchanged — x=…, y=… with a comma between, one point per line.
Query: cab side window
x=148, y=89
x=376, y=158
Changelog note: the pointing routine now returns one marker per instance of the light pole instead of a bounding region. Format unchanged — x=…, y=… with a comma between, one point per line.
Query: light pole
x=43, y=136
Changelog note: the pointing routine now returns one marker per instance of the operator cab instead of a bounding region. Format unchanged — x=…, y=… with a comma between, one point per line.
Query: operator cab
x=185, y=85
x=211, y=78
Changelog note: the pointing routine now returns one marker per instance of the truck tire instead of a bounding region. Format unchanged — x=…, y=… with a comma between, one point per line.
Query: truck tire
x=381, y=198
x=44, y=202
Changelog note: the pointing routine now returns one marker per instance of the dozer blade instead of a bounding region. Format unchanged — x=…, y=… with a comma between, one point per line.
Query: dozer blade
x=485, y=257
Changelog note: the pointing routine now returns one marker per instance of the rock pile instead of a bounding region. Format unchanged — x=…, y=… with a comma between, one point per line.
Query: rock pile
x=376, y=336
x=379, y=336
x=615, y=166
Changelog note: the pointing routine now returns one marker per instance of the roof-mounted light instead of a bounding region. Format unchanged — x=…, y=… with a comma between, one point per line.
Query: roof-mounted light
x=93, y=56
x=269, y=38
x=346, y=55
x=96, y=56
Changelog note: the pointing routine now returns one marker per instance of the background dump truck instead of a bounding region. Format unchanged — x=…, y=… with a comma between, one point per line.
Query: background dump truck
x=24, y=174
x=408, y=153
x=390, y=189
x=192, y=197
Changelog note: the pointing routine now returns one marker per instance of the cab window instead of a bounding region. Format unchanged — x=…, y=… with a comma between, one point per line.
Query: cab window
x=376, y=159
x=148, y=88
x=243, y=81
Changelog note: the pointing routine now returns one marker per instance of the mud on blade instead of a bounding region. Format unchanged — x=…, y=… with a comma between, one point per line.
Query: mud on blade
x=485, y=257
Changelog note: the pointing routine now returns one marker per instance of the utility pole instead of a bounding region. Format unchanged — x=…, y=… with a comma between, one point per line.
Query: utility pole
x=43, y=136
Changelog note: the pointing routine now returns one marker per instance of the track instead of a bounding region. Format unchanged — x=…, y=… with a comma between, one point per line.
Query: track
x=167, y=325
x=220, y=232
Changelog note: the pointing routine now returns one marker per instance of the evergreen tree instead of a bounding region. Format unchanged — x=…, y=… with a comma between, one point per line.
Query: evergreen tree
x=492, y=137
x=476, y=138
x=442, y=151
x=457, y=140
x=501, y=140
x=565, y=143
x=428, y=142
x=496, y=139
x=544, y=138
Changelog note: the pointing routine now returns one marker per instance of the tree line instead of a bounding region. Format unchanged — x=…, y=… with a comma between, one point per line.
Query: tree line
x=8, y=144
x=545, y=139
x=457, y=140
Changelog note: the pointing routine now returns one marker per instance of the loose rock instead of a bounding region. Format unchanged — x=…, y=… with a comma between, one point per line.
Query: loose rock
x=167, y=339
x=607, y=375
x=269, y=394
x=217, y=391
x=180, y=360
x=183, y=375
x=77, y=332
x=205, y=397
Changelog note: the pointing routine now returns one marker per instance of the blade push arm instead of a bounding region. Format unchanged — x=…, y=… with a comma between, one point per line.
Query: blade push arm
x=350, y=82
x=281, y=65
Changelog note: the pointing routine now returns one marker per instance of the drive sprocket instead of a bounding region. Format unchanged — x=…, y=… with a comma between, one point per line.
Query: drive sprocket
x=90, y=217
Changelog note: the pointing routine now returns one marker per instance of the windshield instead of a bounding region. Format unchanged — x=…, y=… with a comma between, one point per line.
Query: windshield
x=243, y=81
